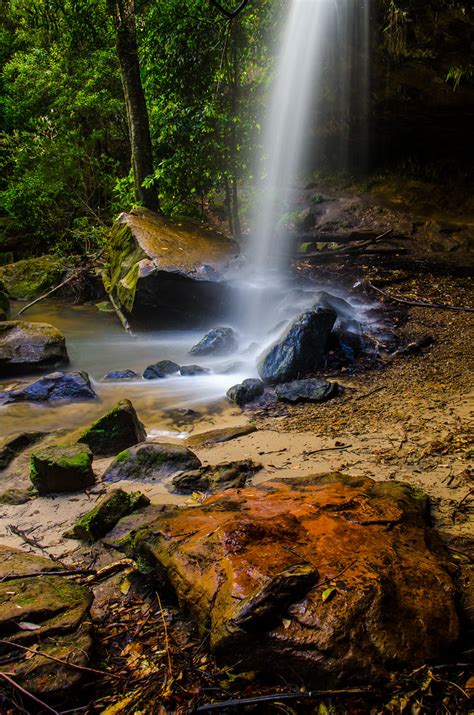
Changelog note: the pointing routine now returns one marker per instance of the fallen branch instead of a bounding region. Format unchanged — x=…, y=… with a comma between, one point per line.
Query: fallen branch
x=35, y=544
x=371, y=392
x=357, y=248
x=75, y=572
x=110, y=569
x=53, y=290
x=74, y=666
x=307, y=452
x=420, y=303
x=279, y=697
x=27, y=694
x=125, y=324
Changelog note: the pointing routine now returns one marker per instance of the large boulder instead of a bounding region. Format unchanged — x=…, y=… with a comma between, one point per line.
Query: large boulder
x=57, y=386
x=118, y=429
x=151, y=462
x=32, y=277
x=167, y=274
x=302, y=347
x=334, y=577
x=47, y=613
x=216, y=477
x=218, y=341
x=25, y=347
x=61, y=468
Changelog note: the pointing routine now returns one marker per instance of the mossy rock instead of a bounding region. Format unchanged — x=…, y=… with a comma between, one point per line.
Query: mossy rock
x=32, y=277
x=60, y=611
x=13, y=444
x=103, y=517
x=62, y=468
x=113, y=432
x=28, y=346
x=151, y=462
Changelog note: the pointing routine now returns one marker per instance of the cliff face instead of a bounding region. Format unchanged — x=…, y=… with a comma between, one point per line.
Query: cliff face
x=423, y=81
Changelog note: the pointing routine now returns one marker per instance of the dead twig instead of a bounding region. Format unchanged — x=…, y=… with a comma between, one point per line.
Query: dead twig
x=75, y=274
x=420, y=303
x=27, y=694
x=110, y=569
x=125, y=324
x=167, y=642
x=35, y=544
x=71, y=572
x=308, y=452
x=467, y=496
x=74, y=666
x=371, y=392
x=279, y=697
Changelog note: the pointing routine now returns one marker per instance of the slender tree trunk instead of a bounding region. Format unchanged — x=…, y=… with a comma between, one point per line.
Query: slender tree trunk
x=137, y=114
x=233, y=135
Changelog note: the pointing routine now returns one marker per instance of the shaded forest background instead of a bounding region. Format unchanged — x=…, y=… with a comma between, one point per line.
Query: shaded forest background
x=65, y=154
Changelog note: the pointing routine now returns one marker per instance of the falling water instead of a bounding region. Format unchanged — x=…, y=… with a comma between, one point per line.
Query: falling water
x=321, y=87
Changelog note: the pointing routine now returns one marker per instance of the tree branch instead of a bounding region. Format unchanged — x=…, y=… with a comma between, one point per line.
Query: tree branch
x=230, y=14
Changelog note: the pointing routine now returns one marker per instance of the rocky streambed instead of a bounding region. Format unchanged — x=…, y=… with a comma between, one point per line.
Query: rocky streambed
x=311, y=532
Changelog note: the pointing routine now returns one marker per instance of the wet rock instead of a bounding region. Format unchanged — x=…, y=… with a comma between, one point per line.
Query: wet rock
x=53, y=387
x=121, y=375
x=15, y=497
x=161, y=369
x=416, y=346
x=217, y=436
x=62, y=469
x=28, y=346
x=210, y=478
x=58, y=610
x=151, y=462
x=13, y=444
x=246, y=391
x=32, y=277
x=301, y=348
x=347, y=343
x=118, y=429
x=168, y=274
x=328, y=301
x=191, y=370
x=103, y=517
x=306, y=391
x=334, y=577
x=218, y=341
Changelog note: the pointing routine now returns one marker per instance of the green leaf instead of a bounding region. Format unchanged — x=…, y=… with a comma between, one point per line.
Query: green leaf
x=328, y=593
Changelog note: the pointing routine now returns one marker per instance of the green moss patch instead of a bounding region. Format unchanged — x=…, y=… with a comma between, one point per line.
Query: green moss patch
x=61, y=468
x=100, y=520
x=117, y=429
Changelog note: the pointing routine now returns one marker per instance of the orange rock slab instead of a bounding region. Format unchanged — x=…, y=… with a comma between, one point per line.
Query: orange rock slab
x=326, y=579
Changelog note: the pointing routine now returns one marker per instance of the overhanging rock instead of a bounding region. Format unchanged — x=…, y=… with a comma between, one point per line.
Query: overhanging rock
x=165, y=273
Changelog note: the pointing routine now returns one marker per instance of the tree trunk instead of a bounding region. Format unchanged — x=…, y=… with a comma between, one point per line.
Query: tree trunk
x=137, y=114
x=234, y=103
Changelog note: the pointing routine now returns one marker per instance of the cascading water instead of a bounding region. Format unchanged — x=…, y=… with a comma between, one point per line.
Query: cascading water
x=321, y=85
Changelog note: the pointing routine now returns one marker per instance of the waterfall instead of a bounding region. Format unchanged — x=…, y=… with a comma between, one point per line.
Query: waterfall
x=321, y=83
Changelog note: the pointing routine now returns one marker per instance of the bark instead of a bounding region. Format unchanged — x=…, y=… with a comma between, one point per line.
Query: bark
x=137, y=114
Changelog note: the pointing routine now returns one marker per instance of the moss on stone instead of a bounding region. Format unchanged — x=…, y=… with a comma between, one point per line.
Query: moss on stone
x=116, y=429
x=103, y=517
x=32, y=277
x=61, y=468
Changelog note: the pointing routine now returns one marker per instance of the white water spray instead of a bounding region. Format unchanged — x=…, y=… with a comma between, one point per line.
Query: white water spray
x=318, y=85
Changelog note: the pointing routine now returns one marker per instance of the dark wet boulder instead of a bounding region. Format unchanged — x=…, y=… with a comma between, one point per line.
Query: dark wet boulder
x=25, y=347
x=48, y=613
x=218, y=341
x=328, y=301
x=61, y=468
x=57, y=386
x=151, y=462
x=161, y=369
x=121, y=375
x=247, y=391
x=165, y=273
x=229, y=475
x=302, y=348
x=32, y=277
x=113, y=432
x=12, y=445
x=337, y=578
x=192, y=370
x=306, y=391
x=106, y=514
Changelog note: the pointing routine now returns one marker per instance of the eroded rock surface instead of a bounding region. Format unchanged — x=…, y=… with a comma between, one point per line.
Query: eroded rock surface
x=214, y=477
x=58, y=613
x=106, y=514
x=306, y=391
x=28, y=346
x=167, y=273
x=336, y=578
